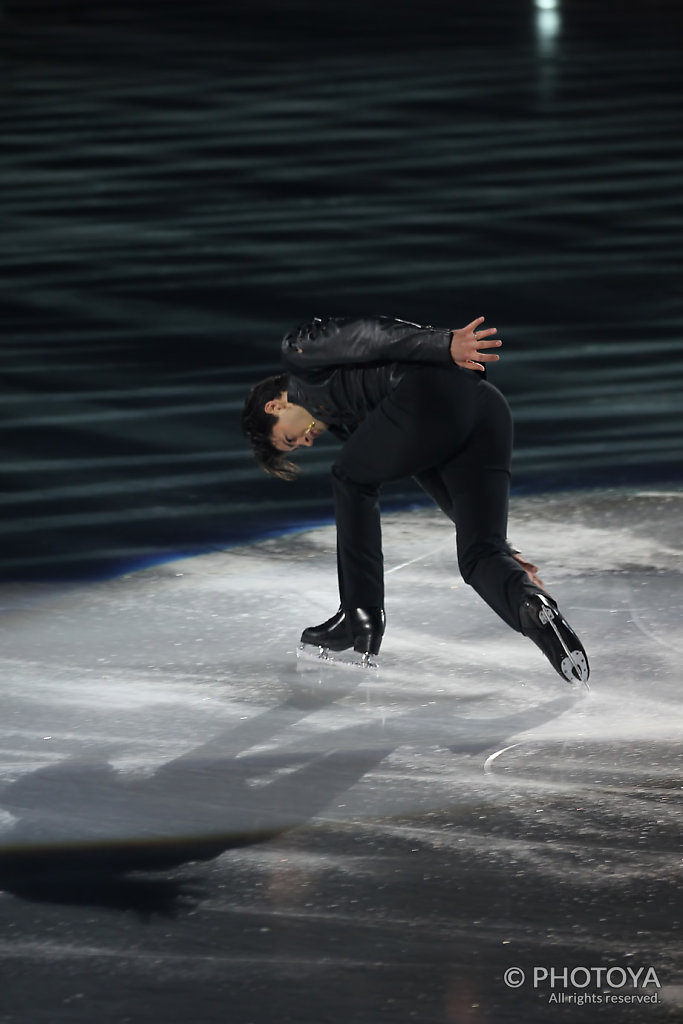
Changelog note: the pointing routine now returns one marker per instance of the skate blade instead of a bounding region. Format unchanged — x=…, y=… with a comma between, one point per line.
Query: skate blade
x=323, y=656
x=575, y=668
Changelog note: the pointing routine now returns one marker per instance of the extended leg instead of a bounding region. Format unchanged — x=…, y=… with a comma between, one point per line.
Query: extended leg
x=473, y=490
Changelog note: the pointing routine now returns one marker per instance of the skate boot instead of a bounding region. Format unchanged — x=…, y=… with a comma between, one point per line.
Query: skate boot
x=331, y=635
x=359, y=628
x=366, y=626
x=543, y=623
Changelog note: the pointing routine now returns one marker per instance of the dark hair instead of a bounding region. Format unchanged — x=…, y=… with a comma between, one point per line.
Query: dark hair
x=257, y=426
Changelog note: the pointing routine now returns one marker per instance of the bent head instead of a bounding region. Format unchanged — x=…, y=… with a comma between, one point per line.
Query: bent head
x=276, y=426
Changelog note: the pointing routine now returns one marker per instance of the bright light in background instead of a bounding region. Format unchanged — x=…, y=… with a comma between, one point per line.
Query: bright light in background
x=547, y=24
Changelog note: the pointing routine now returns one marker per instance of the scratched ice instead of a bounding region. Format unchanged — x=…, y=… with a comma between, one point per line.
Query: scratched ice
x=176, y=664
x=162, y=718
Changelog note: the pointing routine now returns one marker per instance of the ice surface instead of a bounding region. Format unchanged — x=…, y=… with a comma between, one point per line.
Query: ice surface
x=461, y=798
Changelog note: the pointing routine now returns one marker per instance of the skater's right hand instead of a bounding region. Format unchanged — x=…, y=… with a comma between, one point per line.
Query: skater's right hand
x=530, y=569
x=466, y=342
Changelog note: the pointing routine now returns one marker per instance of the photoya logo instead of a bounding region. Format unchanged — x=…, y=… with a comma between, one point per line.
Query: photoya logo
x=584, y=977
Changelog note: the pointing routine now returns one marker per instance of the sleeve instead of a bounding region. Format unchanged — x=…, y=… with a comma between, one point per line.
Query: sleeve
x=352, y=342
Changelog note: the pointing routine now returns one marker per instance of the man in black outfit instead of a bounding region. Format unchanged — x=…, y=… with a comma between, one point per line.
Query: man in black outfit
x=413, y=401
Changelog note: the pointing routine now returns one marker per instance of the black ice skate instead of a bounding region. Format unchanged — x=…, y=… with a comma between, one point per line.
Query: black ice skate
x=543, y=623
x=366, y=626
x=331, y=634
x=360, y=629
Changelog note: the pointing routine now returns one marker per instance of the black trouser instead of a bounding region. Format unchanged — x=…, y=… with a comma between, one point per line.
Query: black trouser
x=452, y=431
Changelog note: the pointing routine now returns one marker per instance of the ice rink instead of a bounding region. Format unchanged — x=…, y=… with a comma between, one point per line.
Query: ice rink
x=195, y=826
x=337, y=844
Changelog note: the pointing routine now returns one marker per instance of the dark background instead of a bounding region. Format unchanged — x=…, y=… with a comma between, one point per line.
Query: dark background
x=180, y=183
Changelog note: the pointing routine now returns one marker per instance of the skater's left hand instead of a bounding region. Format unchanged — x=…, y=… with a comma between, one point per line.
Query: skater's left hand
x=466, y=342
x=530, y=569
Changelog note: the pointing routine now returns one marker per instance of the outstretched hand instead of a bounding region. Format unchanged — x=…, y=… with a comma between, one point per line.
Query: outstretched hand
x=530, y=569
x=466, y=342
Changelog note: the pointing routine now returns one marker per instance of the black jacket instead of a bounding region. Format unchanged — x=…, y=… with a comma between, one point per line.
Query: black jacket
x=340, y=368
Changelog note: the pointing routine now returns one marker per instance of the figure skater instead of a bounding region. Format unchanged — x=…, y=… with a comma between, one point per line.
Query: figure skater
x=406, y=400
